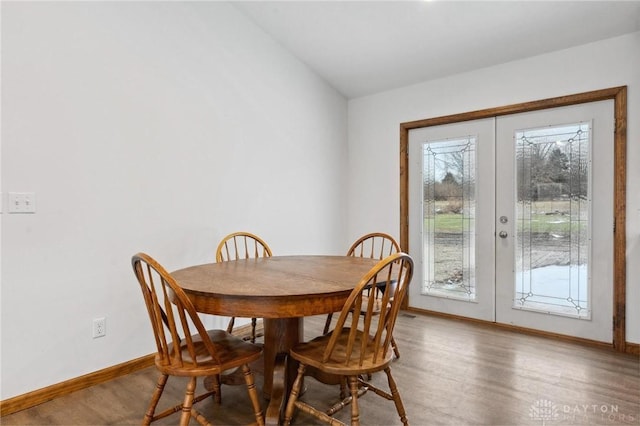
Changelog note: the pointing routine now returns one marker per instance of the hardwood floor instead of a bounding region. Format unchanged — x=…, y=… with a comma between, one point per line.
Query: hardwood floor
x=450, y=373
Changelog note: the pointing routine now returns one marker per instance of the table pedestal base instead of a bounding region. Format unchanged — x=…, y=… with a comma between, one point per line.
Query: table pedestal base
x=279, y=373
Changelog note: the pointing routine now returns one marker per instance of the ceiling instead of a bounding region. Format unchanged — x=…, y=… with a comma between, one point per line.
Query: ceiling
x=366, y=47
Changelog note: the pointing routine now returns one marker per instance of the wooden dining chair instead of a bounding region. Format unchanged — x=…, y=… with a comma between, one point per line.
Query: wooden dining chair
x=185, y=348
x=242, y=245
x=376, y=245
x=358, y=347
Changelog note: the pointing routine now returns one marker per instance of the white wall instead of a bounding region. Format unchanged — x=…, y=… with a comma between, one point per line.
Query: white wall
x=163, y=126
x=374, y=129
x=149, y=126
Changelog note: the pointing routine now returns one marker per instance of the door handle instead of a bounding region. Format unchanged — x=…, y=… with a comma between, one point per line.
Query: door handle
x=503, y=234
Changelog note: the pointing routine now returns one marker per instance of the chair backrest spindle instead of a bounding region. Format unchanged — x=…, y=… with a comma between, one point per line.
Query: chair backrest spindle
x=378, y=315
x=241, y=245
x=376, y=245
x=173, y=318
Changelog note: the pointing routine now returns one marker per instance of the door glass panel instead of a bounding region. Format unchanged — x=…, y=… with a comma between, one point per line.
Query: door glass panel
x=552, y=210
x=449, y=205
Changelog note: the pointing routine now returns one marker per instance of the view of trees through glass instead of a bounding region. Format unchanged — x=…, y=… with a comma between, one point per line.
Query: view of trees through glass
x=552, y=211
x=449, y=170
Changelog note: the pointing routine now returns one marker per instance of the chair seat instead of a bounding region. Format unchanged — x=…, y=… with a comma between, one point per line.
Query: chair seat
x=204, y=354
x=231, y=351
x=360, y=345
x=310, y=353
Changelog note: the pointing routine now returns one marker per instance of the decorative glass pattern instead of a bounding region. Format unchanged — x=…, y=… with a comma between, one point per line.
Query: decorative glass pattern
x=449, y=204
x=552, y=210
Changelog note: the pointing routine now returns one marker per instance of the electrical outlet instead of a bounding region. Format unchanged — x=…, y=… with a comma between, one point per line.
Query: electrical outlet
x=99, y=327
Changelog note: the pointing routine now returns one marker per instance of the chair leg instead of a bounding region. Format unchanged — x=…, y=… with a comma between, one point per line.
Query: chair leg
x=155, y=398
x=188, y=402
x=253, y=394
x=355, y=411
x=327, y=324
x=343, y=387
x=214, y=384
x=396, y=397
x=253, y=329
x=200, y=418
x=232, y=321
x=295, y=392
x=217, y=388
x=395, y=347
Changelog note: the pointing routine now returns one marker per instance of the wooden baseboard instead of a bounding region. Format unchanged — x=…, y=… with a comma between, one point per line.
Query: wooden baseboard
x=31, y=399
x=630, y=348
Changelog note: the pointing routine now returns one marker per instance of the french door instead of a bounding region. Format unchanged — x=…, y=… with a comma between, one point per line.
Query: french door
x=511, y=219
x=452, y=197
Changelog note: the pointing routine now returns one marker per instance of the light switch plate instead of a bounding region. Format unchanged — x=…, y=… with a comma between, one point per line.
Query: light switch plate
x=22, y=202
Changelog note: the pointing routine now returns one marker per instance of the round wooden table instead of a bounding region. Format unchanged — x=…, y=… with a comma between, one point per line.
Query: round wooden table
x=280, y=289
